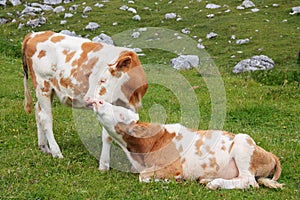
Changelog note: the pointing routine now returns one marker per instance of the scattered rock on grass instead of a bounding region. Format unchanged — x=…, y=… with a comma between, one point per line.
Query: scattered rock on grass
x=296, y=10
x=185, y=62
x=36, y=22
x=255, y=63
x=103, y=38
x=212, y=6
x=92, y=26
x=211, y=35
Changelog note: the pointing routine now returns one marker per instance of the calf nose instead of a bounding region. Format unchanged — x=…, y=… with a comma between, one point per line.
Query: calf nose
x=88, y=102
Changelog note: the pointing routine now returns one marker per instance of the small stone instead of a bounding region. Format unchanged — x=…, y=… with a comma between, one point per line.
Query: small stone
x=67, y=32
x=99, y=5
x=68, y=15
x=186, y=31
x=92, y=26
x=248, y=4
x=210, y=15
x=52, y=2
x=242, y=41
x=296, y=10
x=135, y=34
x=132, y=10
x=124, y=7
x=87, y=9
x=136, y=17
x=59, y=9
x=170, y=15
x=103, y=38
x=212, y=6
x=211, y=35
x=185, y=62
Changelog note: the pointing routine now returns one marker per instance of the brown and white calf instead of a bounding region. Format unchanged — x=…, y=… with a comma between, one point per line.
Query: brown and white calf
x=218, y=159
x=77, y=70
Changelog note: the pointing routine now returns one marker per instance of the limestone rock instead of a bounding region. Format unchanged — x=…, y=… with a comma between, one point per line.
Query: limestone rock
x=185, y=62
x=103, y=38
x=255, y=63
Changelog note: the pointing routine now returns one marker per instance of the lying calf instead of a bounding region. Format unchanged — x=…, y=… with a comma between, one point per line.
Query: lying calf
x=218, y=159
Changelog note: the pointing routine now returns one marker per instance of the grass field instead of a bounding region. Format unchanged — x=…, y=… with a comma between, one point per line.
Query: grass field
x=264, y=105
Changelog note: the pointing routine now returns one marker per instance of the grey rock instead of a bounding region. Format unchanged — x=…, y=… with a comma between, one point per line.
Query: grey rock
x=132, y=10
x=15, y=2
x=136, y=17
x=2, y=2
x=42, y=6
x=242, y=41
x=185, y=62
x=87, y=9
x=103, y=38
x=68, y=15
x=170, y=15
x=99, y=5
x=92, y=26
x=30, y=9
x=3, y=21
x=52, y=2
x=248, y=4
x=261, y=62
x=296, y=10
x=67, y=32
x=73, y=7
x=124, y=7
x=59, y=9
x=212, y=6
x=21, y=25
x=68, y=1
x=185, y=31
x=36, y=22
x=135, y=34
x=211, y=35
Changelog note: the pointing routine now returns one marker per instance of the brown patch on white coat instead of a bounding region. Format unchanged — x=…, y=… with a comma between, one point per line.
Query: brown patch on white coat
x=72, y=68
x=167, y=151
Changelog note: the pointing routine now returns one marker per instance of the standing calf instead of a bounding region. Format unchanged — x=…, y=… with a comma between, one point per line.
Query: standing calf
x=218, y=159
x=77, y=70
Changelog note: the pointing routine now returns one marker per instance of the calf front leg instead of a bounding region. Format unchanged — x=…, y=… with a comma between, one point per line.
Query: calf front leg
x=105, y=152
x=44, y=123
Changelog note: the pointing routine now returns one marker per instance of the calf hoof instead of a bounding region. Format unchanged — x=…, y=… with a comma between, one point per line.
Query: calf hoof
x=103, y=166
x=45, y=149
x=212, y=186
x=57, y=155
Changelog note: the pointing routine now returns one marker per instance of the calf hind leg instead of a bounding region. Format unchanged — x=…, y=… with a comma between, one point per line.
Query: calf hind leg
x=44, y=123
x=242, y=151
x=42, y=140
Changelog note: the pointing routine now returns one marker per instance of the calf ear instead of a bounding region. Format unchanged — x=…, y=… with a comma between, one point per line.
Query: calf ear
x=124, y=63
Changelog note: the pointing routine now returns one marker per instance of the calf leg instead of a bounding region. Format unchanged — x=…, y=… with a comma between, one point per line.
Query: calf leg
x=44, y=123
x=105, y=152
x=42, y=140
x=241, y=151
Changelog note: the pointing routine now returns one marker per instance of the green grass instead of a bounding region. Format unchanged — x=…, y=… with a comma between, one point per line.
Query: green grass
x=264, y=105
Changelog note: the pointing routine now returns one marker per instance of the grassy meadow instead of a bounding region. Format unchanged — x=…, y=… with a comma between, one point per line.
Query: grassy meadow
x=263, y=104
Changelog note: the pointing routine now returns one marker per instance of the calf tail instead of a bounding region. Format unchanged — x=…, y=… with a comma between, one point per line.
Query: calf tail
x=28, y=98
x=272, y=183
x=277, y=168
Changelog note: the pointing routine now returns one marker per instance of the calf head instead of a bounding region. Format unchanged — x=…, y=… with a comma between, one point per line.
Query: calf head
x=110, y=115
x=123, y=82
